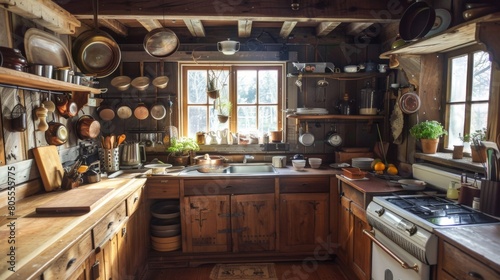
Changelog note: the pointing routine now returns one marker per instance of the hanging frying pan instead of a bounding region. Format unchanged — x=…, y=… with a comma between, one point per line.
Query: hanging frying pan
x=95, y=51
x=161, y=42
x=121, y=82
x=416, y=21
x=161, y=81
x=142, y=82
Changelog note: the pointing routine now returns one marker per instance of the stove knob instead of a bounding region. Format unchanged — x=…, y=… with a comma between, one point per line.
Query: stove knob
x=380, y=212
x=412, y=230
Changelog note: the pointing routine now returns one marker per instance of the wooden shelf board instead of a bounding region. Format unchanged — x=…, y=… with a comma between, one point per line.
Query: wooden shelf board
x=22, y=79
x=340, y=76
x=338, y=117
x=459, y=36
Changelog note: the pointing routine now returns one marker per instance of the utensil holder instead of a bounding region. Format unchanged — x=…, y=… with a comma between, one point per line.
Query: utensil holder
x=110, y=159
x=490, y=198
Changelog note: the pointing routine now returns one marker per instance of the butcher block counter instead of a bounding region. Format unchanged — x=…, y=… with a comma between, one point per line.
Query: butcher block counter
x=32, y=242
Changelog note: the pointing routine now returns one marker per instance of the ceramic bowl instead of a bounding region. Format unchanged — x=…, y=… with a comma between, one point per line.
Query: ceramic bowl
x=315, y=162
x=298, y=164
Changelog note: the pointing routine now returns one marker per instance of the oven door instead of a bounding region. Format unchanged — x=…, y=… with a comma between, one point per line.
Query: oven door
x=391, y=262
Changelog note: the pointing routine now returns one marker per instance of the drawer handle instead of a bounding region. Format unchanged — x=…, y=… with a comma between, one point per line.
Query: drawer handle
x=475, y=275
x=70, y=263
x=228, y=187
x=110, y=225
x=164, y=181
x=135, y=199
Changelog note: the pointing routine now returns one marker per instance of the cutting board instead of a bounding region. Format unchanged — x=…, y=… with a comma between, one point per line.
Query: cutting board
x=75, y=201
x=50, y=167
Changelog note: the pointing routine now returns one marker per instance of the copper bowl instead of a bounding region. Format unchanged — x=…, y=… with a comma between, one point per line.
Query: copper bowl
x=87, y=127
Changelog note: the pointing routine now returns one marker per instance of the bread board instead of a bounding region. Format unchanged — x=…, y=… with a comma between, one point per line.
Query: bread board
x=74, y=201
x=49, y=165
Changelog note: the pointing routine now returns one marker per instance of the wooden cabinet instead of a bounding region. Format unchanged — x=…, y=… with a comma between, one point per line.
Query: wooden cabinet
x=354, y=247
x=455, y=264
x=241, y=217
x=304, y=213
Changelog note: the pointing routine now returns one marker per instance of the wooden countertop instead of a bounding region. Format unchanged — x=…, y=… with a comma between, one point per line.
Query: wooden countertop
x=373, y=185
x=479, y=241
x=41, y=239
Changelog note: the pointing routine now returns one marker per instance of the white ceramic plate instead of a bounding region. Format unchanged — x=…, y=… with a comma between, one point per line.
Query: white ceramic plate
x=441, y=23
x=339, y=165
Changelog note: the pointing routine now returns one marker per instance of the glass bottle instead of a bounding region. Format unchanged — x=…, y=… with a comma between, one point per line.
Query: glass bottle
x=346, y=106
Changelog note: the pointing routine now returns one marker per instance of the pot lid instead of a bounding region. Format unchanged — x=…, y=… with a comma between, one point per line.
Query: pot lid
x=409, y=103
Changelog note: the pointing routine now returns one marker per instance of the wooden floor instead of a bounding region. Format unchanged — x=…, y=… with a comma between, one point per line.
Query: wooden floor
x=285, y=270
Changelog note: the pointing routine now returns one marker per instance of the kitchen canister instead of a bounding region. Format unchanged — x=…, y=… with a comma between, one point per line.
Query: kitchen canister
x=110, y=159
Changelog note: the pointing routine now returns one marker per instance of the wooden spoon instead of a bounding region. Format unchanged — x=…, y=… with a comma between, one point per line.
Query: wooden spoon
x=121, y=138
x=112, y=141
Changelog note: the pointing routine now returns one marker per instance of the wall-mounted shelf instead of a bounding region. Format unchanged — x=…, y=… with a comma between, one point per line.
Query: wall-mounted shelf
x=481, y=30
x=336, y=117
x=22, y=79
x=340, y=76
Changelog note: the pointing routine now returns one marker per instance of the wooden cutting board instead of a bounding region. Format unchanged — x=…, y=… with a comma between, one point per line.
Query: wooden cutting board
x=50, y=167
x=75, y=201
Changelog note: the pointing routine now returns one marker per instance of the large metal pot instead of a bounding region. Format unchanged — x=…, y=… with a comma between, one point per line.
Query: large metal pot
x=416, y=21
x=210, y=160
x=161, y=42
x=95, y=51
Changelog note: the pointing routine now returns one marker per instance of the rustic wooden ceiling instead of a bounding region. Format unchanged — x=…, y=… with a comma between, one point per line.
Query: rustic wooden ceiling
x=204, y=18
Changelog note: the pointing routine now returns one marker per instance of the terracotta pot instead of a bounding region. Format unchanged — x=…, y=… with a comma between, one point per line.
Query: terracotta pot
x=180, y=160
x=458, y=151
x=429, y=146
x=478, y=153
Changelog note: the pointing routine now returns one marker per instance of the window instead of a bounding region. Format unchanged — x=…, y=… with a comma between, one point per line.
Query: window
x=469, y=81
x=255, y=93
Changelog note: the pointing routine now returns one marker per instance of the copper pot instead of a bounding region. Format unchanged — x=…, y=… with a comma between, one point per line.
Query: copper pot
x=212, y=160
x=141, y=112
x=276, y=136
x=66, y=107
x=87, y=127
x=56, y=134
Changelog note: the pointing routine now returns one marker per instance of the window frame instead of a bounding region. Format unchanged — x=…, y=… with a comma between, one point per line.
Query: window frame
x=184, y=67
x=469, y=51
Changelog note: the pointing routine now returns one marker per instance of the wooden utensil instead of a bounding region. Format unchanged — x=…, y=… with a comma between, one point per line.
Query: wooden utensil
x=112, y=141
x=75, y=201
x=121, y=138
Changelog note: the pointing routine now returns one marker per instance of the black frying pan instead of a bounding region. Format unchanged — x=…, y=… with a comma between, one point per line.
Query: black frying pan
x=416, y=21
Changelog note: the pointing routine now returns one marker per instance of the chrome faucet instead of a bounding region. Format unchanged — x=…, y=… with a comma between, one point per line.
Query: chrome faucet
x=247, y=157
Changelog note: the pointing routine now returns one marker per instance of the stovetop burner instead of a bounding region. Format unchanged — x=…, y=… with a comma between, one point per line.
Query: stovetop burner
x=440, y=211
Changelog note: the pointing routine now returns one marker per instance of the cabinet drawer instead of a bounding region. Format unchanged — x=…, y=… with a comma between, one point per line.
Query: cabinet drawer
x=459, y=264
x=108, y=225
x=157, y=188
x=133, y=201
x=70, y=260
x=221, y=186
x=353, y=194
x=305, y=185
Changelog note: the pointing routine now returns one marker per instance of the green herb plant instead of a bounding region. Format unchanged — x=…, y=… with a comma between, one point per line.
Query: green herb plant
x=428, y=130
x=182, y=146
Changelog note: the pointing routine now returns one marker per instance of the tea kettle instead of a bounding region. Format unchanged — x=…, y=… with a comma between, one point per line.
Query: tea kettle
x=132, y=154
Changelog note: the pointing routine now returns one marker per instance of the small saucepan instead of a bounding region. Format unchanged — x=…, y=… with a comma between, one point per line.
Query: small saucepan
x=142, y=82
x=161, y=81
x=87, y=127
x=141, y=112
x=56, y=134
x=306, y=139
x=121, y=82
x=65, y=106
x=106, y=113
x=124, y=111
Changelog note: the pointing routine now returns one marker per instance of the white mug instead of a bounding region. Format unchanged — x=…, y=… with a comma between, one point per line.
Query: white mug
x=228, y=47
x=382, y=68
x=351, y=68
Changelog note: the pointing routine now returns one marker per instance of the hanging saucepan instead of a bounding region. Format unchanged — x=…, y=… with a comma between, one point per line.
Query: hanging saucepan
x=106, y=112
x=87, y=127
x=141, y=112
x=95, y=51
x=158, y=111
x=56, y=134
x=161, y=81
x=65, y=106
x=142, y=82
x=124, y=111
x=161, y=42
x=416, y=21
x=306, y=139
x=121, y=82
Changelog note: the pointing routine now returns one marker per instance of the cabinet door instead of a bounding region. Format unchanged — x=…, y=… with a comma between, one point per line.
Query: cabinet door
x=253, y=222
x=136, y=243
x=361, y=252
x=207, y=223
x=303, y=222
x=345, y=226
x=110, y=255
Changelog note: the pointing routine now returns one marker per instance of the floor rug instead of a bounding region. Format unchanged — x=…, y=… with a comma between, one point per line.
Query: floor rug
x=246, y=271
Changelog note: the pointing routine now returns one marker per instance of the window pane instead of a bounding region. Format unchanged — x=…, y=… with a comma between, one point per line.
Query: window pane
x=268, y=116
x=247, y=118
x=247, y=86
x=479, y=116
x=481, y=74
x=456, y=124
x=268, y=87
x=197, y=85
x=458, y=79
x=197, y=116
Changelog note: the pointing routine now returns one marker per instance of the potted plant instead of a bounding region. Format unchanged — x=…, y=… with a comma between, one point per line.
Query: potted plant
x=212, y=84
x=180, y=150
x=428, y=133
x=225, y=108
x=478, y=152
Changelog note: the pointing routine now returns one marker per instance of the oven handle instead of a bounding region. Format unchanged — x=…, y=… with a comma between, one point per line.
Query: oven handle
x=389, y=252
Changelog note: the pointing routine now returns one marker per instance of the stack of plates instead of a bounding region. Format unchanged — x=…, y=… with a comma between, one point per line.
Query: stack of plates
x=312, y=111
x=165, y=225
x=362, y=163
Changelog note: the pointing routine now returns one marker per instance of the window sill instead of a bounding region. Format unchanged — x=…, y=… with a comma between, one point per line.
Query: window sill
x=445, y=159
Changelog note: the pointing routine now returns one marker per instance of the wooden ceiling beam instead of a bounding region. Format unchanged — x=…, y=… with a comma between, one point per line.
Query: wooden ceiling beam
x=287, y=28
x=326, y=27
x=115, y=26
x=356, y=27
x=195, y=26
x=244, y=28
x=149, y=23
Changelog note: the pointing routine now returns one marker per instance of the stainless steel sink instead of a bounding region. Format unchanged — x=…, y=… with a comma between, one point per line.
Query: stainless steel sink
x=250, y=169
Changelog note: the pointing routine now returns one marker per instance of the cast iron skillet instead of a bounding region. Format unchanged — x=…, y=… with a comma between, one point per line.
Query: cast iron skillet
x=416, y=21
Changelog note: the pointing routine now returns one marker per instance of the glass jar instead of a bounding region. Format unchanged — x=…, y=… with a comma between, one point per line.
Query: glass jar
x=367, y=105
x=346, y=106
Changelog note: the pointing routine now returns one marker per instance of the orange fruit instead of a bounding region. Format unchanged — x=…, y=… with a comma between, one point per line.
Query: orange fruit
x=379, y=166
x=392, y=170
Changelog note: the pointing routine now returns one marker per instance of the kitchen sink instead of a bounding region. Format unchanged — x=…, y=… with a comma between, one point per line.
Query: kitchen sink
x=250, y=169
x=232, y=169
